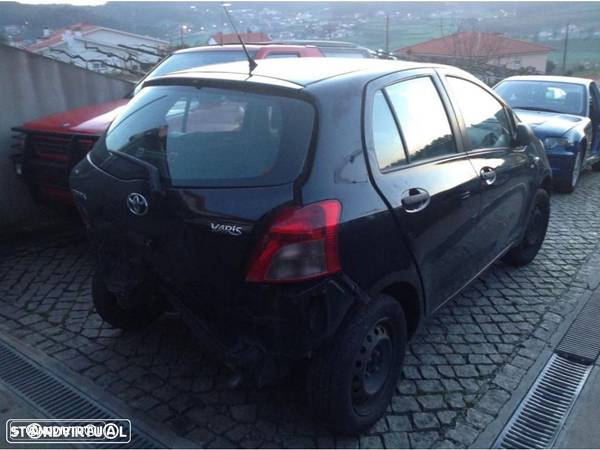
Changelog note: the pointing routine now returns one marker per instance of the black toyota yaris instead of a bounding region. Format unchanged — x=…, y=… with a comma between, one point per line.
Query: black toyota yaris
x=313, y=210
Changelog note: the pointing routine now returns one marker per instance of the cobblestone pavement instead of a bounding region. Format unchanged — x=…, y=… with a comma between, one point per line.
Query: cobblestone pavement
x=461, y=368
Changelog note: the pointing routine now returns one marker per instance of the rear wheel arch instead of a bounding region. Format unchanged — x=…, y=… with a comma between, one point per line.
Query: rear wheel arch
x=410, y=299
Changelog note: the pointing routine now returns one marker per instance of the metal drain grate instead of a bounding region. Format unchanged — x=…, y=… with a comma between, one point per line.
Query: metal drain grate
x=582, y=340
x=541, y=414
x=55, y=397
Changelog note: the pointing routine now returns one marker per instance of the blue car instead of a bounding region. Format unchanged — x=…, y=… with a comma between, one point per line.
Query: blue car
x=564, y=113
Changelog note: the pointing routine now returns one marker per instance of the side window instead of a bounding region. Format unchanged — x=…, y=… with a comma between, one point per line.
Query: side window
x=422, y=118
x=386, y=138
x=486, y=120
x=282, y=55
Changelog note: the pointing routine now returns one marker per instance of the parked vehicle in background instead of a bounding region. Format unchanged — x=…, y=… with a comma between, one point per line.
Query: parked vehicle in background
x=564, y=112
x=334, y=49
x=316, y=210
x=47, y=148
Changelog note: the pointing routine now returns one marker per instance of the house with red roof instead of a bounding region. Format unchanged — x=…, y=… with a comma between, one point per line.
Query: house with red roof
x=232, y=38
x=98, y=48
x=485, y=48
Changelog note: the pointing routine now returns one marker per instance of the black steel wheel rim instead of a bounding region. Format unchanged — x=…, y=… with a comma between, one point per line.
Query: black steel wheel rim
x=535, y=230
x=372, y=365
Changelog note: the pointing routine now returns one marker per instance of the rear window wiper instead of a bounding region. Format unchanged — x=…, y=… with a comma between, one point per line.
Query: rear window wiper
x=153, y=174
x=534, y=108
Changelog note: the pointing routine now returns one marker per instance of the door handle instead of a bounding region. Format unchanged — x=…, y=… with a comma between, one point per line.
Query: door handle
x=415, y=199
x=488, y=175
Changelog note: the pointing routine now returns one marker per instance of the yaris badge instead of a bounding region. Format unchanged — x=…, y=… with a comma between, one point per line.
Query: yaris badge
x=137, y=204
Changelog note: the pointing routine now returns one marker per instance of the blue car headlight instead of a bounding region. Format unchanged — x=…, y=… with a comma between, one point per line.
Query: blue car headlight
x=552, y=143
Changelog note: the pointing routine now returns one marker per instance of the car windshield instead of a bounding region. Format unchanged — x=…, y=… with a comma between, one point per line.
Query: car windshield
x=568, y=98
x=206, y=136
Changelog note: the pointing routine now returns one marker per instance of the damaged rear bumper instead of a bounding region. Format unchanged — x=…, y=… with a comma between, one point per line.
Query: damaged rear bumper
x=276, y=326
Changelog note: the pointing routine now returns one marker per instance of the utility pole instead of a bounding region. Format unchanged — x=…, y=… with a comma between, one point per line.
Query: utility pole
x=564, y=61
x=387, y=33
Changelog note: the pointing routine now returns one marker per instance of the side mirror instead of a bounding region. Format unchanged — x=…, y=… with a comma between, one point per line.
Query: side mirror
x=523, y=137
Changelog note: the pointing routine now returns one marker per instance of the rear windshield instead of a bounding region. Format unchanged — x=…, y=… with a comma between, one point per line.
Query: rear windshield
x=203, y=136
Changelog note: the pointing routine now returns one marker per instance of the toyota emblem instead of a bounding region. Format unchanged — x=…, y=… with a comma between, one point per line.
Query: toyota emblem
x=137, y=204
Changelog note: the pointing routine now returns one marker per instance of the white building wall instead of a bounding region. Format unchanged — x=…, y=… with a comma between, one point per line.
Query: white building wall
x=107, y=41
x=537, y=61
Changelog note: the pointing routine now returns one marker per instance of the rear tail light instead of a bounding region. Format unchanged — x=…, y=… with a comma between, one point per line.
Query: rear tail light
x=300, y=244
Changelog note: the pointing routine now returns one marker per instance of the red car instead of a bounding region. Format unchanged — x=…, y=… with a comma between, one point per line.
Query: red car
x=50, y=146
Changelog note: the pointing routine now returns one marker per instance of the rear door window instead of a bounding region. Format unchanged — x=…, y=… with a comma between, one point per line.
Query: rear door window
x=387, y=143
x=215, y=137
x=422, y=117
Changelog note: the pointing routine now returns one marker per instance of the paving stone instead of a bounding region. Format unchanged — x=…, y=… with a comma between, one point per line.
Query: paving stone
x=404, y=404
x=493, y=400
x=431, y=402
x=455, y=400
x=464, y=435
x=396, y=440
x=423, y=439
x=425, y=421
x=244, y=413
x=369, y=442
x=466, y=371
x=399, y=423
x=478, y=419
x=446, y=417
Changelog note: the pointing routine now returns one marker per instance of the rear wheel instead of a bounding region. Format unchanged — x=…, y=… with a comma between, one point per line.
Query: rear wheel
x=535, y=233
x=351, y=381
x=136, y=309
x=568, y=185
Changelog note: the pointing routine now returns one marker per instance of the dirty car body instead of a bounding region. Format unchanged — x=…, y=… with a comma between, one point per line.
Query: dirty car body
x=288, y=208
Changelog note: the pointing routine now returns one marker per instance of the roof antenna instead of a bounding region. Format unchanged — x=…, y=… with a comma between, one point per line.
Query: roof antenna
x=251, y=61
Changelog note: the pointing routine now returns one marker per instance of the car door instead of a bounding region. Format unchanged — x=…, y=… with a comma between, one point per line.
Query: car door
x=506, y=171
x=421, y=171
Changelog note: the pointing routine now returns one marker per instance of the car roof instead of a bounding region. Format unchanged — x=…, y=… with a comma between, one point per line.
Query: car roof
x=317, y=43
x=549, y=78
x=235, y=47
x=298, y=71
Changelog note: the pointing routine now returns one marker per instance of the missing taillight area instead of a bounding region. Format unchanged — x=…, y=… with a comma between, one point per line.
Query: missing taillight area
x=300, y=244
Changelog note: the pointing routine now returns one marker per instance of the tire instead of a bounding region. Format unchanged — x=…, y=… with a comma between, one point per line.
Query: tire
x=537, y=225
x=144, y=305
x=596, y=167
x=372, y=337
x=568, y=185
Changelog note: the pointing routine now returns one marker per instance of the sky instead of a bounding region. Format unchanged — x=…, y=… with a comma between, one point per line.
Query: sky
x=101, y=2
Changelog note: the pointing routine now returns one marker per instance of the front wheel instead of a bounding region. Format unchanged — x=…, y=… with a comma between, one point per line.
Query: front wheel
x=568, y=185
x=138, y=308
x=537, y=225
x=351, y=381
